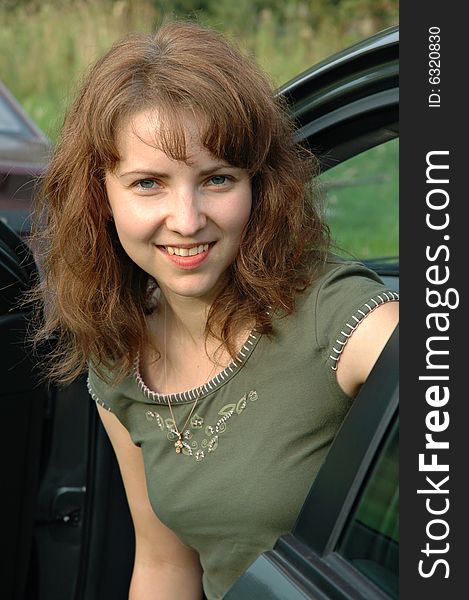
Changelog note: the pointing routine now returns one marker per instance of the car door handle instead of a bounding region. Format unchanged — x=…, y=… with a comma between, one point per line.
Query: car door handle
x=67, y=505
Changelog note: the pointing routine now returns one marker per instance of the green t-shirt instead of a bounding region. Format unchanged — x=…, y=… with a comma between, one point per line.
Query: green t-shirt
x=260, y=431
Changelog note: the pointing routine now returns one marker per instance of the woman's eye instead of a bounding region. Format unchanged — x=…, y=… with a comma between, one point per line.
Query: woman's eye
x=218, y=179
x=146, y=184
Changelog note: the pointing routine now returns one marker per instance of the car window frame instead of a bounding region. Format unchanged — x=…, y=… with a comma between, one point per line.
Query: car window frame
x=363, y=115
x=357, y=526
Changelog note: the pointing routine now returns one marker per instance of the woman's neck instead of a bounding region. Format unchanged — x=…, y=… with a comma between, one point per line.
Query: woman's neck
x=185, y=318
x=184, y=358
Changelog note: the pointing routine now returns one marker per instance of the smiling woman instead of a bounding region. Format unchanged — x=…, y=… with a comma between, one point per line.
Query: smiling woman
x=185, y=266
x=180, y=221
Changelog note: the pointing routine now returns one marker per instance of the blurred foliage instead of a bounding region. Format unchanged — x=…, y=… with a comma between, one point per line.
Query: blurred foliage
x=45, y=46
x=362, y=202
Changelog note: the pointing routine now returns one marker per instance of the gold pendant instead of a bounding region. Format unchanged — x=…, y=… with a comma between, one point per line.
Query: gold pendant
x=178, y=445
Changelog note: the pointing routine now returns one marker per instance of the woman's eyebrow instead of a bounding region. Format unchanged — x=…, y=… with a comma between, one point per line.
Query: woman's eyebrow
x=143, y=173
x=216, y=167
x=159, y=174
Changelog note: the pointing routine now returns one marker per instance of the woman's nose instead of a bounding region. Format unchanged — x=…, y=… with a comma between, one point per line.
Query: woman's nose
x=186, y=215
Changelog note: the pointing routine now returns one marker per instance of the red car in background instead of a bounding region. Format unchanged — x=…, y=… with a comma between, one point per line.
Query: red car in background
x=24, y=151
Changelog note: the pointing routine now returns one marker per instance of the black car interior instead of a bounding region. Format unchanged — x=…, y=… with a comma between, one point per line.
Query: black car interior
x=23, y=406
x=62, y=542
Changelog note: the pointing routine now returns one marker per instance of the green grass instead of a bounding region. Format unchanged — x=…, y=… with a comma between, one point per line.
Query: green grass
x=362, y=204
x=380, y=510
x=45, y=47
x=379, y=506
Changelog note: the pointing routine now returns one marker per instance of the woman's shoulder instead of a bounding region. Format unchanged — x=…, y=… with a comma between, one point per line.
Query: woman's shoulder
x=343, y=281
x=338, y=271
x=341, y=295
x=104, y=389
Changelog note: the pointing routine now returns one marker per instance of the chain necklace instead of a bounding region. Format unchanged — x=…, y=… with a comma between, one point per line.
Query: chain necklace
x=178, y=444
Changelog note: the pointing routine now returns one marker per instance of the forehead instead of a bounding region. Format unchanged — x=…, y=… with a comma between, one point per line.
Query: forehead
x=147, y=131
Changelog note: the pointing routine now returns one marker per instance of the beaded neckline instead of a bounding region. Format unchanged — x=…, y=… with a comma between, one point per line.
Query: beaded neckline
x=206, y=388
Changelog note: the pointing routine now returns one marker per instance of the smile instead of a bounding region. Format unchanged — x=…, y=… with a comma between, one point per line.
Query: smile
x=175, y=250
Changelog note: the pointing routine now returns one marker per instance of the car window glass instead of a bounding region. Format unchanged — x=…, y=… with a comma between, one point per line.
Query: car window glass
x=9, y=122
x=362, y=196
x=370, y=541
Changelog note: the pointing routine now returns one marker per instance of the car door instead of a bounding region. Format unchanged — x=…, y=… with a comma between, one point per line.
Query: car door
x=67, y=530
x=24, y=404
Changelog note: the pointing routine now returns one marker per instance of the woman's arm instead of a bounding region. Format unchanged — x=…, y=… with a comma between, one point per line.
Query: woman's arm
x=164, y=567
x=364, y=347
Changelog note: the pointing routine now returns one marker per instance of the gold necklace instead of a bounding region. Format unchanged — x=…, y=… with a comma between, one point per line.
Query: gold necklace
x=178, y=444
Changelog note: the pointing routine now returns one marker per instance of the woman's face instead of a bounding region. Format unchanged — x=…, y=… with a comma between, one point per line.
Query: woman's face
x=181, y=222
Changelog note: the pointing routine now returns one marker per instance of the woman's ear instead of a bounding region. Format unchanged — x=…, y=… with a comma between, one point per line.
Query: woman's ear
x=107, y=206
x=107, y=210
x=108, y=214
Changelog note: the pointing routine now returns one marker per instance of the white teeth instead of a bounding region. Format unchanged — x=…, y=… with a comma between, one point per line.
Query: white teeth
x=187, y=251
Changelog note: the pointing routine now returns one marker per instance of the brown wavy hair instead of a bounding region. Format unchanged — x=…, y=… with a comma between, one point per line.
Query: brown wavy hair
x=94, y=298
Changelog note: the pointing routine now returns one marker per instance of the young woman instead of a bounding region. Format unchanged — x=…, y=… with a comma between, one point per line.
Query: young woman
x=186, y=267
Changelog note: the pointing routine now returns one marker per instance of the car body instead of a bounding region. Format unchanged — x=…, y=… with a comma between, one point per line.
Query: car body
x=69, y=526
x=24, y=151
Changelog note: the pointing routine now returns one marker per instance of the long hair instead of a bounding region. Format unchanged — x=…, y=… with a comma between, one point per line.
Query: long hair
x=94, y=298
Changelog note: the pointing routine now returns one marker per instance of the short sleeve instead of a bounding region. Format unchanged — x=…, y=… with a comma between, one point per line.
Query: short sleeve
x=348, y=293
x=99, y=390
x=122, y=400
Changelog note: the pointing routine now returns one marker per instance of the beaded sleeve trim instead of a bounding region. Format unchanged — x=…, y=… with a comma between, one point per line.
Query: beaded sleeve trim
x=355, y=321
x=95, y=397
x=206, y=388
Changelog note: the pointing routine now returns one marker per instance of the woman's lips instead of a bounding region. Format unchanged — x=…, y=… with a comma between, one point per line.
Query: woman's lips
x=177, y=254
